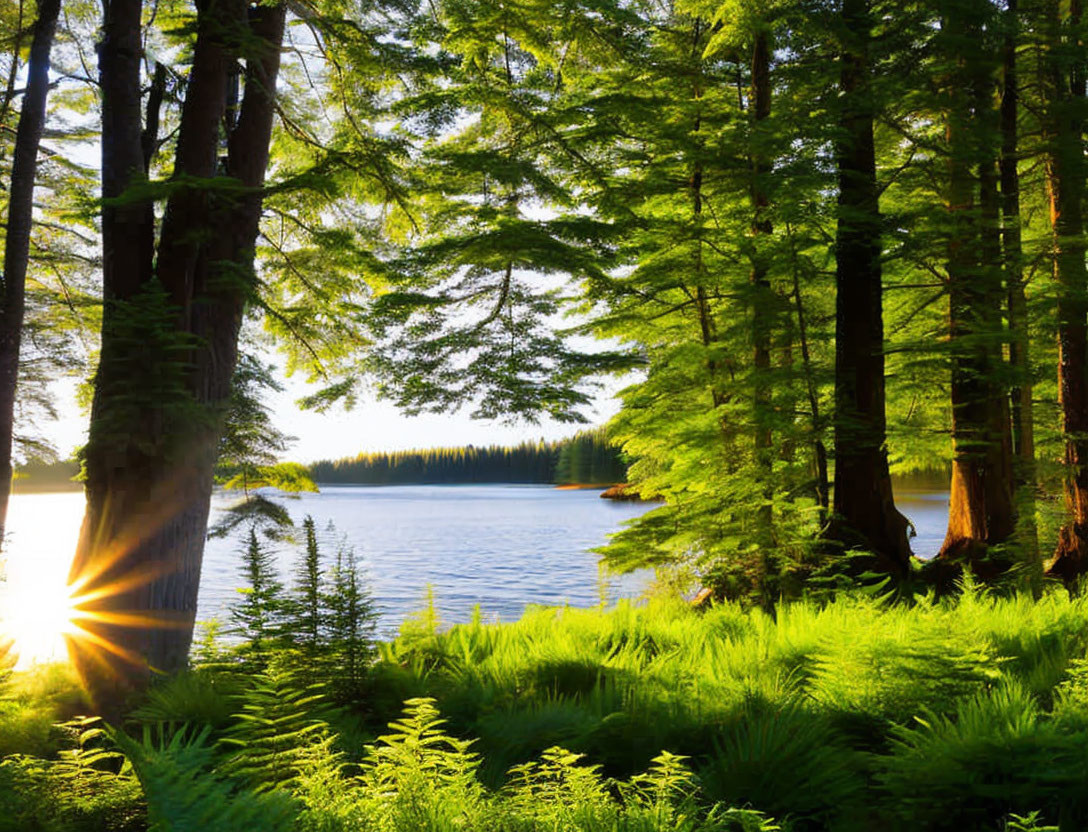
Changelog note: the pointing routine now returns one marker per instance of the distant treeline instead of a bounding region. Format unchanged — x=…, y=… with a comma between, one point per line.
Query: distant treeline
x=586, y=458
x=38, y=475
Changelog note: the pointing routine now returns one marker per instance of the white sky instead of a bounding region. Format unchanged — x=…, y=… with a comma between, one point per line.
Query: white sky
x=370, y=426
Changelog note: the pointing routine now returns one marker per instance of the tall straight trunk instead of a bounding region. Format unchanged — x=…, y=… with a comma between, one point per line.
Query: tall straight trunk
x=1022, y=417
x=822, y=487
x=981, y=506
x=763, y=300
x=127, y=250
x=703, y=311
x=865, y=514
x=20, y=216
x=1000, y=491
x=149, y=462
x=1065, y=168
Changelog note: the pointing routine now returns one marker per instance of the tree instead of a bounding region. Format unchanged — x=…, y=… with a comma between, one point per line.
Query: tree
x=17, y=234
x=464, y=312
x=982, y=511
x=1064, y=73
x=258, y=616
x=305, y=624
x=865, y=512
x=351, y=618
x=1022, y=413
x=169, y=334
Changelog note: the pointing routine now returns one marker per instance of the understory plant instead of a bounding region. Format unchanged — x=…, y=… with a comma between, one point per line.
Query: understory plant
x=853, y=714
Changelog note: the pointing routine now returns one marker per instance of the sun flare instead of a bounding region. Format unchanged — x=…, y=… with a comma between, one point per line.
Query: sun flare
x=37, y=606
x=36, y=616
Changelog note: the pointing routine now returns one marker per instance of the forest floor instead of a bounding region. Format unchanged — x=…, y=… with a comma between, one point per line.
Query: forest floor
x=856, y=714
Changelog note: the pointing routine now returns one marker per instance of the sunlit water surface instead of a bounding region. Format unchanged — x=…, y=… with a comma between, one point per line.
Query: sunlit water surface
x=498, y=546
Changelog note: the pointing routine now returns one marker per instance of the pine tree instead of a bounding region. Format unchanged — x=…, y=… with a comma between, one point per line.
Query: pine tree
x=173, y=307
x=351, y=622
x=865, y=512
x=982, y=510
x=306, y=624
x=258, y=615
x=1064, y=68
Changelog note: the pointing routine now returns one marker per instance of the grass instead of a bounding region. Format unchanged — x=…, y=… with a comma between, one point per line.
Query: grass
x=968, y=713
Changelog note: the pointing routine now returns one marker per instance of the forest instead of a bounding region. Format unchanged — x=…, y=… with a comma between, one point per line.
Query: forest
x=814, y=244
x=585, y=459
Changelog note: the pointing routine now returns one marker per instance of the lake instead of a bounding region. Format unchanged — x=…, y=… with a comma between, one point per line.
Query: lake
x=498, y=546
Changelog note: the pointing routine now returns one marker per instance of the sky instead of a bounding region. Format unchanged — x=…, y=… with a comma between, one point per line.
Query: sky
x=370, y=426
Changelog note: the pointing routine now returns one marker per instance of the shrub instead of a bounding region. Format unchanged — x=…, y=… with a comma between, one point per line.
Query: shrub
x=993, y=756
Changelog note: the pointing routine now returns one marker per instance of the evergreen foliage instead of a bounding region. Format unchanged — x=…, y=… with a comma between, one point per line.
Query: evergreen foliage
x=322, y=626
x=306, y=624
x=258, y=616
x=351, y=618
x=247, y=457
x=587, y=458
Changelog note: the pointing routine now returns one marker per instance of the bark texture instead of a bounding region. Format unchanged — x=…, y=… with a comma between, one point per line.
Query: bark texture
x=1022, y=415
x=982, y=510
x=169, y=344
x=865, y=514
x=20, y=218
x=1065, y=169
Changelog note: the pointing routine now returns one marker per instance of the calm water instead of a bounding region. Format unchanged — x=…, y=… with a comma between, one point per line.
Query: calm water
x=499, y=546
x=927, y=510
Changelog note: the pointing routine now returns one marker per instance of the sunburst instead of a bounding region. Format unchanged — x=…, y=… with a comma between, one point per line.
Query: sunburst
x=35, y=617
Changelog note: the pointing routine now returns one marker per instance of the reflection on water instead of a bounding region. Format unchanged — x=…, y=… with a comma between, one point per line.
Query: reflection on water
x=499, y=546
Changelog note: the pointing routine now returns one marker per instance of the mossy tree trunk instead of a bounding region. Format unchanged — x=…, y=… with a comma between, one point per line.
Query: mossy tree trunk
x=169, y=342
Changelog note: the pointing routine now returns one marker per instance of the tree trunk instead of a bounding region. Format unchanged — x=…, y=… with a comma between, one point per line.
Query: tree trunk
x=981, y=510
x=1066, y=182
x=20, y=217
x=763, y=299
x=1023, y=422
x=865, y=514
x=174, y=346
x=703, y=311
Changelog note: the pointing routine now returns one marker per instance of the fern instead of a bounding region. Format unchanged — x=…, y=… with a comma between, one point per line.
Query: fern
x=271, y=736
x=184, y=793
x=426, y=778
x=87, y=788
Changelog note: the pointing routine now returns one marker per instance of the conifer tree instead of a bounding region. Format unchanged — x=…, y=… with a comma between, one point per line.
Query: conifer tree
x=170, y=327
x=305, y=624
x=1022, y=416
x=982, y=511
x=865, y=512
x=351, y=622
x=1064, y=74
x=257, y=617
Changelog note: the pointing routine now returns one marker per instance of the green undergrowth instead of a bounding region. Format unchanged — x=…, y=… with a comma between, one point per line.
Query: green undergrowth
x=957, y=714
x=852, y=715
